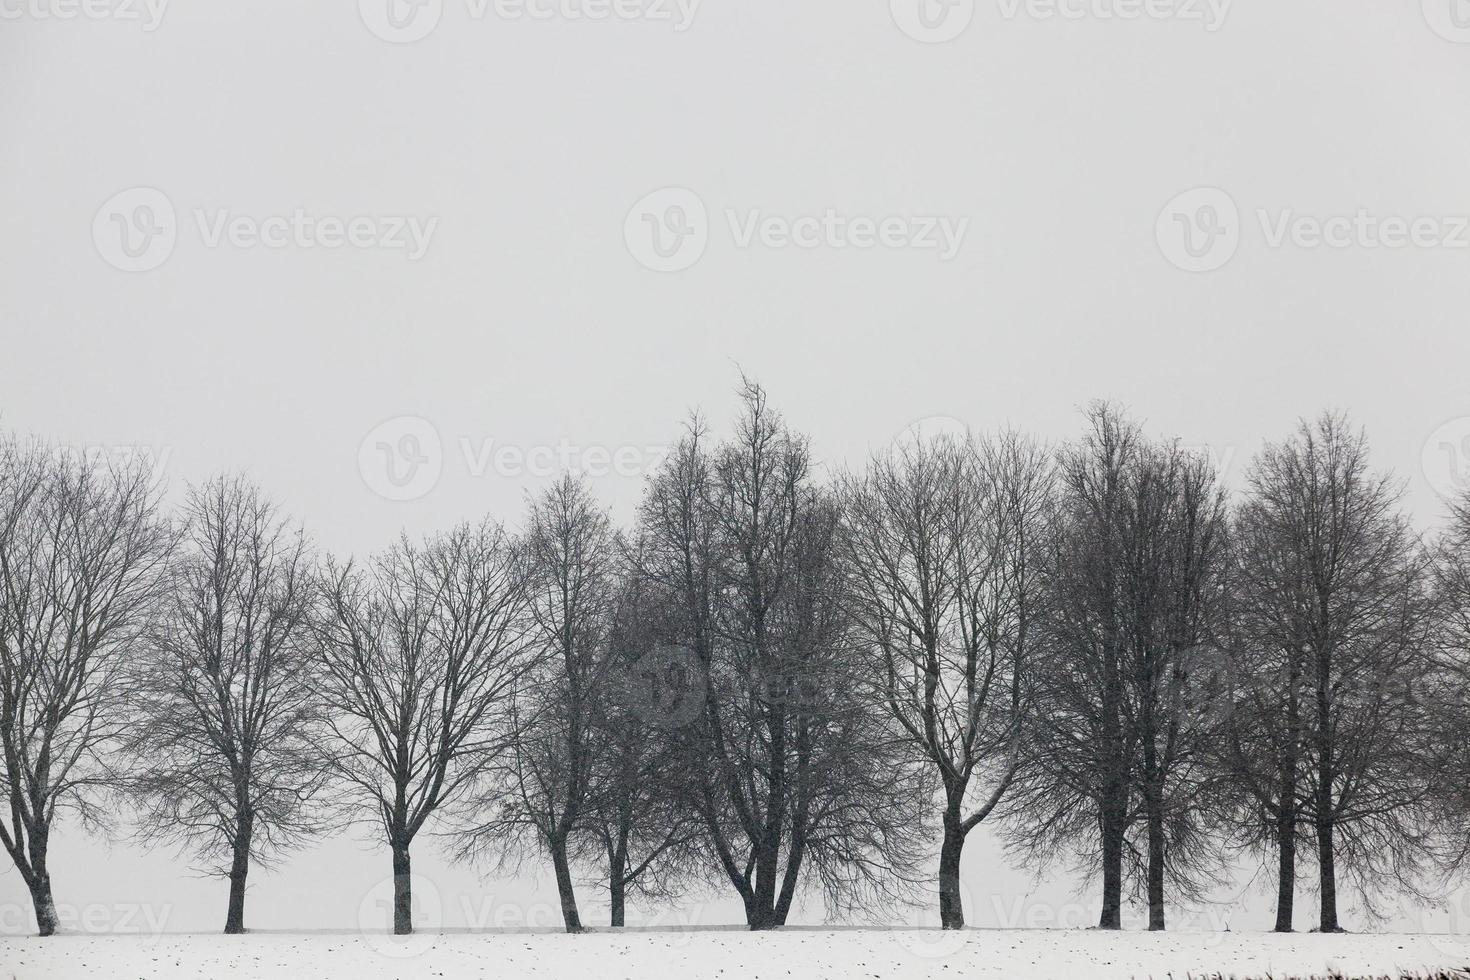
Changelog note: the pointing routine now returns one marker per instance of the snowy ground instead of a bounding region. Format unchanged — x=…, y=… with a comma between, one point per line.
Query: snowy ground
x=726, y=955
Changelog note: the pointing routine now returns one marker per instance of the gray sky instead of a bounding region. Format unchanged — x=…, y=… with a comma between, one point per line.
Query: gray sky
x=270, y=236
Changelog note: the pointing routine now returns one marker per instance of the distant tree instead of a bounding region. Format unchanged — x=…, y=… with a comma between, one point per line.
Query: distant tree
x=942, y=540
x=570, y=554
x=1447, y=688
x=797, y=773
x=81, y=550
x=1331, y=736
x=641, y=830
x=225, y=728
x=420, y=651
x=1134, y=572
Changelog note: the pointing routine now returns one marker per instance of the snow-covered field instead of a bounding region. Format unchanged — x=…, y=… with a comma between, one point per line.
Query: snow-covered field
x=727, y=955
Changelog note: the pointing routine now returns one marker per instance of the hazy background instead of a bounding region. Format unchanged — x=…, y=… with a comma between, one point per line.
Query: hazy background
x=530, y=321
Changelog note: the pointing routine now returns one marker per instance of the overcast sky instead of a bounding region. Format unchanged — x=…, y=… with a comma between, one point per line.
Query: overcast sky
x=400, y=263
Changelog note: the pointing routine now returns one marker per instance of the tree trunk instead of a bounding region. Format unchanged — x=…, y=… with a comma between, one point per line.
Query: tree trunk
x=402, y=892
x=617, y=869
x=617, y=890
x=239, y=871
x=1112, y=869
x=45, y=905
x=1327, y=872
x=564, y=885
x=1155, y=863
x=951, y=903
x=235, y=914
x=1286, y=867
x=1287, y=800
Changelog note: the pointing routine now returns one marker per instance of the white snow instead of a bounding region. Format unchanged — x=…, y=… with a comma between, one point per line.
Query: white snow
x=726, y=955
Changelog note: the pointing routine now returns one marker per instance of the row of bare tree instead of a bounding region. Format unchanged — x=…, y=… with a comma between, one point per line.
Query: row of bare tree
x=772, y=681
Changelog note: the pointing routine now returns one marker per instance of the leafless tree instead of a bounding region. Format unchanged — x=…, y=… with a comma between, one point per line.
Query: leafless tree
x=640, y=829
x=225, y=728
x=1447, y=688
x=941, y=541
x=1135, y=572
x=81, y=551
x=570, y=552
x=796, y=767
x=420, y=651
x=1332, y=735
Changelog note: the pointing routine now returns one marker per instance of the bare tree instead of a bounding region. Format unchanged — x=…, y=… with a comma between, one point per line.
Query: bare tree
x=420, y=651
x=225, y=724
x=1336, y=599
x=81, y=549
x=796, y=767
x=942, y=539
x=639, y=825
x=570, y=554
x=1135, y=574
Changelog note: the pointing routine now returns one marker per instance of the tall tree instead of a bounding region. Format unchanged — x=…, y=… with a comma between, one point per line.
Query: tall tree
x=570, y=554
x=1134, y=572
x=1337, y=599
x=942, y=539
x=225, y=726
x=797, y=776
x=420, y=651
x=641, y=831
x=81, y=550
